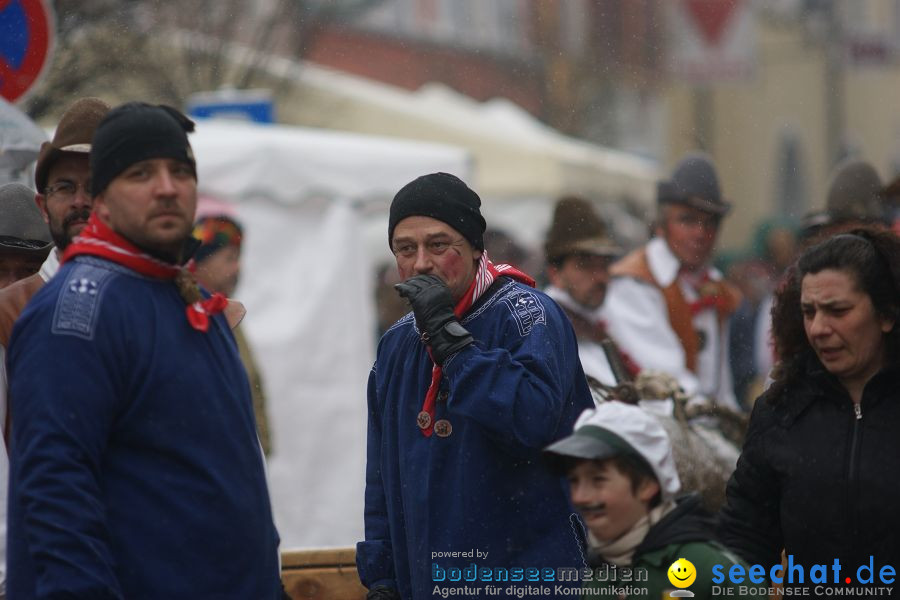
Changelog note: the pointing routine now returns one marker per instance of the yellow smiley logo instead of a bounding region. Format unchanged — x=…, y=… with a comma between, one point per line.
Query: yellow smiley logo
x=682, y=573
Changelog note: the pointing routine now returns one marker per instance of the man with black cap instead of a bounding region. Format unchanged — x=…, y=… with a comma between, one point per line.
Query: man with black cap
x=465, y=392
x=135, y=470
x=667, y=307
x=579, y=254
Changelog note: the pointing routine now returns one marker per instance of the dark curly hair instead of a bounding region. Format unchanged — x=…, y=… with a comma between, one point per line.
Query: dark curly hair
x=872, y=257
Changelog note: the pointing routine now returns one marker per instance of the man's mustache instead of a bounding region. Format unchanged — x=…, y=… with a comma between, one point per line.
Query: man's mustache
x=78, y=215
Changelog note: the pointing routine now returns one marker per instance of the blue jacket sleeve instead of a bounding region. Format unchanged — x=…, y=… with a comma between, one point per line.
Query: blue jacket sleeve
x=374, y=556
x=528, y=389
x=64, y=399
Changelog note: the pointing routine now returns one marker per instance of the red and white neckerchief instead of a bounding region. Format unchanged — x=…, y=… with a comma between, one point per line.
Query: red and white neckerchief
x=709, y=293
x=97, y=239
x=485, y=275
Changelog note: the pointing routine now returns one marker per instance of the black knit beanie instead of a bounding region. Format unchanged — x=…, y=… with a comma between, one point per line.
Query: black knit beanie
x=134, y=132
x=443, y=197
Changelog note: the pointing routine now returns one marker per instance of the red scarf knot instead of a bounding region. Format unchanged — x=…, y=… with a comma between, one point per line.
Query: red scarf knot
x=97, y=239
x=198, y=313
x=710, y=295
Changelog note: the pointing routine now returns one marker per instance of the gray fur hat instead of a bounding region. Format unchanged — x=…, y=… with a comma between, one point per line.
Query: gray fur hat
x=22, y=228
x=854, y=193
x=694, y=183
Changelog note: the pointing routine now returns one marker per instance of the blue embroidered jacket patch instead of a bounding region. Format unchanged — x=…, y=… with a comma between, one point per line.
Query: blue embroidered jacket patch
x=78, y=303
x=527, y=310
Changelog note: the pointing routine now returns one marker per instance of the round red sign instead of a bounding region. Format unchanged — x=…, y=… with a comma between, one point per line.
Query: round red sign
x=26, y=40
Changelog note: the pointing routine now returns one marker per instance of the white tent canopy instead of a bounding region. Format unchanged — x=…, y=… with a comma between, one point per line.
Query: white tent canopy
x=520, y=165
x=20, y=137
x=302, y=196
x=20, y=143
x=291, y=165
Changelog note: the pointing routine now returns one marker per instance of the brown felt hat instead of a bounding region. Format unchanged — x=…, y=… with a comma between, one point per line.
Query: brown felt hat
x=576, y=229
x=22, y=228
x=73, y=134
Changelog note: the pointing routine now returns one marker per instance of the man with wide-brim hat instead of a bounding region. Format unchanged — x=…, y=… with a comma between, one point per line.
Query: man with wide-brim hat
x=24, y=244
x=854, y=199
x=579, y=253
x=62, y=176
x=667, y=306
x=24, y=239
x=62, y=202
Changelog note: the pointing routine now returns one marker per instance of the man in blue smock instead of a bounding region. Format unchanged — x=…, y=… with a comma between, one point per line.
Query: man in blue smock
x=465, y=392
x=136, y=471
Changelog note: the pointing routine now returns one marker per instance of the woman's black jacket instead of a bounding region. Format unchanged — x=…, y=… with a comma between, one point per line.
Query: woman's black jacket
x=820, y=477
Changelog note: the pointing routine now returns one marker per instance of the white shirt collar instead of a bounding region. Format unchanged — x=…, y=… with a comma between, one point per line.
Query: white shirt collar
x=664, y=266
x=50, y=266
x=563, y=298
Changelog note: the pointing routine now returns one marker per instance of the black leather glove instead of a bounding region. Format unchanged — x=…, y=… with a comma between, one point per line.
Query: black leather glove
x=382, y=592
x=432, y=306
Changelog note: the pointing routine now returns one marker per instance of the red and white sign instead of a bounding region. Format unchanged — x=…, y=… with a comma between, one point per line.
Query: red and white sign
x=711, y=40
x=26, y=44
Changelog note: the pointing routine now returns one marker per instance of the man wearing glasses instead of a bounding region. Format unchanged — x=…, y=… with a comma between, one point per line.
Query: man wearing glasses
x=465, y=392
x=63, y=178
x=666, y=306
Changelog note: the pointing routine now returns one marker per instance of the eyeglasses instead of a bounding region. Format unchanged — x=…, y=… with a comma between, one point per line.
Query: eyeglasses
x=66, y=190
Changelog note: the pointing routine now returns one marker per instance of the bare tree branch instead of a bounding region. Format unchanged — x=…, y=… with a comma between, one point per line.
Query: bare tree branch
x=103, y=43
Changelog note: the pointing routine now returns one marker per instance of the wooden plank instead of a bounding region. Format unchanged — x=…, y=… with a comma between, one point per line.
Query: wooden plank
x=321, y=574
x=318, y=557
x=323, y=584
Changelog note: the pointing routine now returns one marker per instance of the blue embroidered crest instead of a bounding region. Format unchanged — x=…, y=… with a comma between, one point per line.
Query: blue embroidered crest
x=78, y=303
x=527, y=310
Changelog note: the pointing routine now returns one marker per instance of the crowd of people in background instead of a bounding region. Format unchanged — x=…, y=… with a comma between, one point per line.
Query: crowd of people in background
x=856, y=197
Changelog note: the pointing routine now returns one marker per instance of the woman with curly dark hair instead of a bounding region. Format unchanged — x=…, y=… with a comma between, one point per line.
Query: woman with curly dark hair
x=818, y=474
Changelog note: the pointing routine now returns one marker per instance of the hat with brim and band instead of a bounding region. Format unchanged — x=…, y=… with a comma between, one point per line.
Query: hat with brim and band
x=72, y=136
x=854, y=193
x=694, y=183
x=22, y=227
x=617, y=429
x=576, y=229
